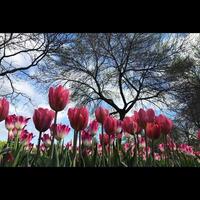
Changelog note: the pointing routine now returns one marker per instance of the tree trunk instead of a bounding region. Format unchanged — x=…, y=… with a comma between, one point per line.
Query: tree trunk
x=122, y=115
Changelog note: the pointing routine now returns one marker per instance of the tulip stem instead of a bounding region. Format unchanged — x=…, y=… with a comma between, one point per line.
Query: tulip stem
x=16, y=141
x=166, y=150
x=137, y=141
x=109, y=151
x=54, y=130
x=74, y=145
x=59, y=147
x=152, y=149
x=8, y=141
x=80, y=153
x=146, y=146
x=102, y=144
x=135, y=149
x=38, y=146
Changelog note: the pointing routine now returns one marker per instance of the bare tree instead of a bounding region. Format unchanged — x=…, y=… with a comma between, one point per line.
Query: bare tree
x=119, y=69
x=32, y=48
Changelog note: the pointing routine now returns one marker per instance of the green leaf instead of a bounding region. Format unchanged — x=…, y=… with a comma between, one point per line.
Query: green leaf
x=18, y=155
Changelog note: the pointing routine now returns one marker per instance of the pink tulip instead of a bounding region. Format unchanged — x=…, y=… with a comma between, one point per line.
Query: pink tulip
x=142, y=143
x=60, y=131
x=78, y=118
x=136, y=117
x=99, y=149
x=10, y=135
x=161, y=147
x=42, y=148
x=29, y=147
x=26, y=137
x=10, y=121
x=46, y=139
x=20, y=122
x=130, y=126
x=188, y=150
x=153, y=130
x=15, y=131
x=142, y=118
x=119, y=136
x=86, y=138
x=110, y=125
x=101, y=114
x=127, y=146
x=58, y=98
x=4, y=109
x=106, y=138
x=143, y=152
x=150, y=115
x=197, y=153
x=42, y=119
x=69, y=145
x=157, y=156
x=93, y=127
x=171, y=145
x=165, y=124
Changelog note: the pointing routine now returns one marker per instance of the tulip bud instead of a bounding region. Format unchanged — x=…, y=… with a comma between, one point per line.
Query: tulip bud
x=10, y=135
x=69, y=145
x=46, y=139
x=58, y=98
x=42, y=119
x=165, y=124
x=4, y=109
x=106, y=138
x=86, y=138
x=60, y=131
x=150, y=115
x=78, y=118
x=110, y=125
x=10, y=122
x=26, y=137
x=157, y=156
x=101, y=114
x=130, y=126
x=93, y=127
x=161, y=147
x=142, y=118
x=20, y=122
x=42, y=148
x=16, y=131
x=153, y=131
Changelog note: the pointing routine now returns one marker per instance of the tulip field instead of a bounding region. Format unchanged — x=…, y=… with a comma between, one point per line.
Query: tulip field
x=142, y=139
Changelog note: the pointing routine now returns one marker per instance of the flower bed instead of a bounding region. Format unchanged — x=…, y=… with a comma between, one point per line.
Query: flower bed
x=142, y=139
